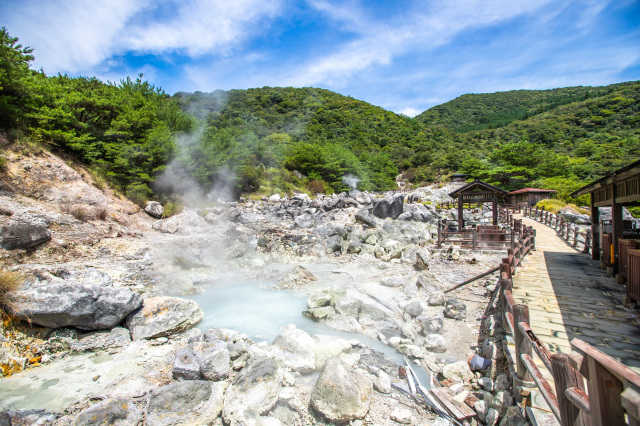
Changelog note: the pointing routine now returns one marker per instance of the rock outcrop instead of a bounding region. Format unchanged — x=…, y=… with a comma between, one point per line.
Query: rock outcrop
x=341, y=393
x=162, y=316
x=71, y=304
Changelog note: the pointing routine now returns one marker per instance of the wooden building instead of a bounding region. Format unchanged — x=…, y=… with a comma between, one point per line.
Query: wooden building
x=477, y=192
x=618, y=189
x=528, y=197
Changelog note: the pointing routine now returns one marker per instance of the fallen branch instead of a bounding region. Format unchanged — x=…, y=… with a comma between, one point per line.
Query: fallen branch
x=477, y=277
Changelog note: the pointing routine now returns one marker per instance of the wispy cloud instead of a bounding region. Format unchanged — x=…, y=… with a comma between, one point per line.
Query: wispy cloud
x=76, y=36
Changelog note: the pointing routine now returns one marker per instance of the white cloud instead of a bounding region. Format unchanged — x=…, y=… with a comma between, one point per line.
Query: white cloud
x=416, y=30
x=75, y=35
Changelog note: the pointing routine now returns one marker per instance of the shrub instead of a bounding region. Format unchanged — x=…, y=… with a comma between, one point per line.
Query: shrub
x=172, y=208
x=551, y=205
x=316, y=186
x=9, y=281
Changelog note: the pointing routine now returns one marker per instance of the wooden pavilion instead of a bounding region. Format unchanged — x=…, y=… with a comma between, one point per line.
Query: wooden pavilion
x=528, y=197
x=617, y=189
x=477, y=192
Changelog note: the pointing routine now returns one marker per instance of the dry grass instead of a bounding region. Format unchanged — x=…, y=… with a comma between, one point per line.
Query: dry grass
x=554, y=206
x=9, y=281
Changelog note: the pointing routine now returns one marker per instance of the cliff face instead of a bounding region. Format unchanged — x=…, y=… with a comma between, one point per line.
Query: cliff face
x=38, y=185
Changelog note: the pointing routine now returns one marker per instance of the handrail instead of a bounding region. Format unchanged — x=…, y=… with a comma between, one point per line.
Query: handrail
x=613, y=389
x=569, y=232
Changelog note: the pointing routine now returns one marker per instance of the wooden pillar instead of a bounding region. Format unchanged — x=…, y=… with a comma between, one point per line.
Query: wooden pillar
x=565, y=377
x=616, y=231
x=521, y=314
x=495, y=208
x=595, y=231
x=460, y=213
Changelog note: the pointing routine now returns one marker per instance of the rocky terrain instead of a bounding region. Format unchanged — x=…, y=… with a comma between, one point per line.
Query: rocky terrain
x=104, y=328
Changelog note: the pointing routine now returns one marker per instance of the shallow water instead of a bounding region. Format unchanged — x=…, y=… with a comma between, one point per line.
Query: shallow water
x=252, y=307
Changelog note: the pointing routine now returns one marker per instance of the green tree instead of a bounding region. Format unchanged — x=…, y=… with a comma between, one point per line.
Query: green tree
x=15, y=92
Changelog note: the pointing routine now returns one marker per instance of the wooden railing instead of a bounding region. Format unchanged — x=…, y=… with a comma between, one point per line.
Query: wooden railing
x=623, y=249
x=633, y=275
x=569, y=232
x=613, y=396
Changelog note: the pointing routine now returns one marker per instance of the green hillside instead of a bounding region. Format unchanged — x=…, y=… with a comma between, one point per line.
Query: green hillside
x=562, y=148
x=493, y=110
x=319, y=133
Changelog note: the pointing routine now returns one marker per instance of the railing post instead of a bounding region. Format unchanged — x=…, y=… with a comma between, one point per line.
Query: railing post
x=575, y=235
x=474, y=239
x=439, y=237
x=604, y=396
x=513, y=238
x=521, y=314
x=565, y=376
x=587, y=242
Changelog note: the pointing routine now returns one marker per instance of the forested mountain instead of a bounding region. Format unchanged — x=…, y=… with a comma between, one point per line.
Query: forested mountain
x=316, y=132
x=268, y=140
x=493, y=110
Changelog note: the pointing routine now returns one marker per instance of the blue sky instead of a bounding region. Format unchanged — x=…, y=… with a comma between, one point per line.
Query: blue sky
x=403, y=55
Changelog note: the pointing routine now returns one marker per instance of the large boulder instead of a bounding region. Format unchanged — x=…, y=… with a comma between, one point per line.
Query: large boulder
x=341, y=393
x=163, y=316
x=154, y=209
x=24, y=233
x=296, y=349
x=71, y=304
x=327, y=347
x=390, y=206
x=253, y=393
x=193, y=402
x=112, y=411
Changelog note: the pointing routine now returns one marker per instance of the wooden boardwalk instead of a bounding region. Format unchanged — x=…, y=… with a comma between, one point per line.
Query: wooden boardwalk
x=570, y=296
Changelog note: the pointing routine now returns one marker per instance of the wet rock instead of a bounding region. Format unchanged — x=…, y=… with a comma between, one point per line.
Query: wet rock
x=457, y=371
x=186, y=366
x=514, y=417
x=344, y=323
x=154, y=209
x=431, y=325
x=413, y=309
x=84, y=306
x=390, y=206
x=296, y=278
x=436, y=298
x=254, y=391
x=296, y=349
x=27, y=417
x=320, y=313
x=24, y=233
x=112, y=411
x=455, y=309
x=319, y=300
x=194, y=401
x=326, y=347
x=422, y=263
x=163, y=316
x=341, y=393
x=435, y=343
x=347, y=306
